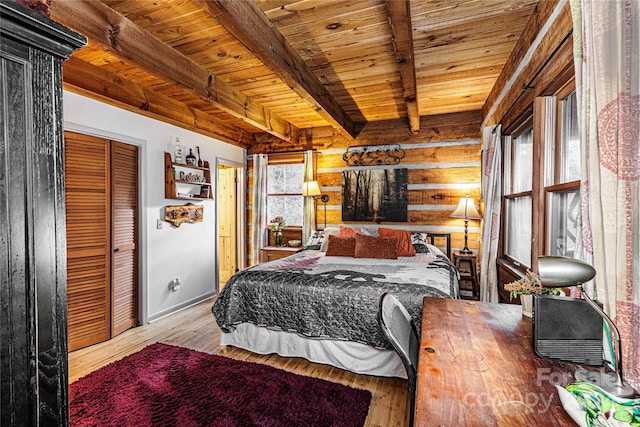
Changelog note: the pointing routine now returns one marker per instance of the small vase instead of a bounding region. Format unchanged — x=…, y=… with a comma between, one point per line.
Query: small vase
x=526, y=300
x=277, y=238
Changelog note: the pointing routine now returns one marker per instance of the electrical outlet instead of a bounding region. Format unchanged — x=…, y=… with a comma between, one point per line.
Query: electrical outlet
x=159, y=224
x=174, y=285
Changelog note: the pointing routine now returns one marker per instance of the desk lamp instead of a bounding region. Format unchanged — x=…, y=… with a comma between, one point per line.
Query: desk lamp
x=556, y=271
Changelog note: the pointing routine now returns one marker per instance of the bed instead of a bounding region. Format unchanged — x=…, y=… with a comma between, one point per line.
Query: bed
x=325, y=308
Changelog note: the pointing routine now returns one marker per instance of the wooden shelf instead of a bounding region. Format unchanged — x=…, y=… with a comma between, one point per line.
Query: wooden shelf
x=179, y=181
x=171, y=184
x=184, y=165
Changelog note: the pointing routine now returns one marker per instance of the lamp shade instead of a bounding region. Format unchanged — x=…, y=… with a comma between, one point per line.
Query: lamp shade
x=310, y=188
x=560, y=272
x=466, y=209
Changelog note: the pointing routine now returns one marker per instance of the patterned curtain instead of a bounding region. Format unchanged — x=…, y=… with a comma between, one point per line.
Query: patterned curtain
x=606, y=51
x=491, y=194
x=260, y=234
x=309, y=211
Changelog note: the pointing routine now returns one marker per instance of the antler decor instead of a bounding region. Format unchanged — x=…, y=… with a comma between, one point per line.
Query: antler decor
x=372, y=155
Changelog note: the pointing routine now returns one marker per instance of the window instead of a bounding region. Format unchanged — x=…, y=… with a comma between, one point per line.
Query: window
x=562, y=179
x=517, y=200
x=542, y=161
x=284, y=188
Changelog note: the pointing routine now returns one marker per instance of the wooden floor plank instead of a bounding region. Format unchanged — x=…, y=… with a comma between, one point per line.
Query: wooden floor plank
x=196, y=328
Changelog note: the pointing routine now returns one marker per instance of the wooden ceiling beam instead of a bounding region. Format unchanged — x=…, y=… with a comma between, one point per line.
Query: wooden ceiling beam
x=126, y=40
x=440, y=127
x=249, y=25
x=399, y=12
x=86, y=79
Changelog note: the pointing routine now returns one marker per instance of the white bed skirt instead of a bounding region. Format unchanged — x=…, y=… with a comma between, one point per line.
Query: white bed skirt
x=351, y=356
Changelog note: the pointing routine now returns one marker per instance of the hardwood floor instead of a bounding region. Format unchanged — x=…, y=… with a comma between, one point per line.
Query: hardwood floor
x=196, y=328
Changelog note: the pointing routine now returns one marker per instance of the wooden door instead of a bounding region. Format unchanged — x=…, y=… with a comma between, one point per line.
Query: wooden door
x=88, y=203
x=102, y=232
x=124, y=237
x=227, y=249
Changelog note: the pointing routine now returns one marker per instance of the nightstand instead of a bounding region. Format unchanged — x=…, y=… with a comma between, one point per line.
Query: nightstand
x=270, y=253
x=466, y=264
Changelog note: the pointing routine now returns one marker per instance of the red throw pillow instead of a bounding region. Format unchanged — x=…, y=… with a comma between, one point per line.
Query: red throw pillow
x=405, y=245
x=347, y=231
x=341, y=246
x=376, y=247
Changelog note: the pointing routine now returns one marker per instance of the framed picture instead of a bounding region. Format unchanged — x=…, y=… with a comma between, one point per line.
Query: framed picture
x=374, y=195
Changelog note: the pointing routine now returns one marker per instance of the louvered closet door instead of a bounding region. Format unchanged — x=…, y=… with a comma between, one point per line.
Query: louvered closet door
x=88, y=240
x=124, y=208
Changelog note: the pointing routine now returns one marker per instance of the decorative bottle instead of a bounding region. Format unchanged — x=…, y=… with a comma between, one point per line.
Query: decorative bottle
x=191, y=159
x=177, y=151
x=200, y=162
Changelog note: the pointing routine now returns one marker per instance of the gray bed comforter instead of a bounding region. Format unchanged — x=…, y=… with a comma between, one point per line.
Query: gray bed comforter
x=331, y=297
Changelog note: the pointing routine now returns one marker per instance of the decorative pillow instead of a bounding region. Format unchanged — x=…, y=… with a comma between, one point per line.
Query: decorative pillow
x=329, y=231
x=341, y=246
x=318, y=239
x=405, y=247
x=315, y=240
x=376, y=247
x=347, y=231
x=420, y=242
x=434, y=250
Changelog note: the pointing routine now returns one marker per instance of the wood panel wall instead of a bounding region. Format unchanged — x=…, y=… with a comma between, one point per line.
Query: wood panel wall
x=443, y=162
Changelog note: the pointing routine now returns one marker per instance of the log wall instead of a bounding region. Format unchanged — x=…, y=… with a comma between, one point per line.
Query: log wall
x=443, y=162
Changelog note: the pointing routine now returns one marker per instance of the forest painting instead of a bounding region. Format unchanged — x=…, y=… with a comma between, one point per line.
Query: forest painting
x=374, y=195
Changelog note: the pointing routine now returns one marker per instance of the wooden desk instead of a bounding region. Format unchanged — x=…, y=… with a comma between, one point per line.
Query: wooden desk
x=477, y=367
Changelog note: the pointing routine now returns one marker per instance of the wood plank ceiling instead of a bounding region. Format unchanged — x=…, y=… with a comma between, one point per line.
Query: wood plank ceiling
x=245, y=71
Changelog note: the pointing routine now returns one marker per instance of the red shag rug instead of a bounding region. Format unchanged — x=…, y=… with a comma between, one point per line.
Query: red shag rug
x=165, y=385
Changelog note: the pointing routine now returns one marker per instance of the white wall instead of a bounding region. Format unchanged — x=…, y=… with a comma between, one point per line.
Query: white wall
x=187, y=252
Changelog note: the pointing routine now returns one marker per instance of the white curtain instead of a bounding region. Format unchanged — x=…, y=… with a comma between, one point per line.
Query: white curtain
x=606, y=51
x=492, y=195
x=309, y=211
x=260, y=232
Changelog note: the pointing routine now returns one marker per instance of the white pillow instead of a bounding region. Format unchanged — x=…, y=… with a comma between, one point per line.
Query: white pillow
x=369, y=231
x=329, y=231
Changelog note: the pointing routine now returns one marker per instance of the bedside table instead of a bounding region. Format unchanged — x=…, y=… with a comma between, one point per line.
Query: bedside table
x=271, y=253
x=466, y=264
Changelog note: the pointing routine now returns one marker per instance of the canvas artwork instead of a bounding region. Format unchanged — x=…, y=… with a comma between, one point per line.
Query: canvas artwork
x=374, y=195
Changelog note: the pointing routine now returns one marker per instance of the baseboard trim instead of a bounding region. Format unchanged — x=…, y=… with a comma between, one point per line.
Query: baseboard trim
x=182, y=306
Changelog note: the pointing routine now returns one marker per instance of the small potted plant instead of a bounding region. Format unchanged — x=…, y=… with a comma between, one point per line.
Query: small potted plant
x=526, y=287
x=277, y=224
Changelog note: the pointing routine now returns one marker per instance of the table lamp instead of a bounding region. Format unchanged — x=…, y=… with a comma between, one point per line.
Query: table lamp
x=560, y=272
x=311, y=189
x=466, y=209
